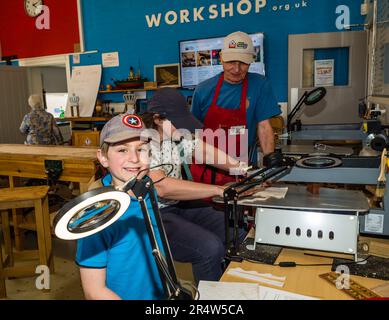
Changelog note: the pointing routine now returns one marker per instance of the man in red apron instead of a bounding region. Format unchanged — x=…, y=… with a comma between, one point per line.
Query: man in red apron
x=238, y=102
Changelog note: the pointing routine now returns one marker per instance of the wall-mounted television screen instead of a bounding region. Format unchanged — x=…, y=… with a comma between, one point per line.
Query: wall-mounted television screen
x=200, y=59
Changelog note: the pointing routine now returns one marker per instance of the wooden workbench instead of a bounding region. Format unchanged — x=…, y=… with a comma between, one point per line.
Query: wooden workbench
x=18, y=160
x=301, y=279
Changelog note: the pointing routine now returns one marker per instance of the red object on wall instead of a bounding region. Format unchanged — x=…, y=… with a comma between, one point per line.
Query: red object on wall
x=20, y=36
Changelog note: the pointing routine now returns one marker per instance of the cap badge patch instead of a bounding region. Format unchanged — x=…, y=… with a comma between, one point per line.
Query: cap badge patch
x=232, y=44
x=132, y=121
x=242, y=45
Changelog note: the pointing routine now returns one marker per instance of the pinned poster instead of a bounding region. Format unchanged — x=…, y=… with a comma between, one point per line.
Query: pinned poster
x=324, y=72
x=84, y=83
x=110, y=59
x=76, y=58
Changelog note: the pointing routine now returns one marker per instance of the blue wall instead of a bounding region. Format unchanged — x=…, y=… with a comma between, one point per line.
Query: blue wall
x=121, y=26
x=341, y=58
x=13, y=63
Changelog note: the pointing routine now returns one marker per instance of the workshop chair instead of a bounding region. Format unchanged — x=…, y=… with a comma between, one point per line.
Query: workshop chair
x=25, y=197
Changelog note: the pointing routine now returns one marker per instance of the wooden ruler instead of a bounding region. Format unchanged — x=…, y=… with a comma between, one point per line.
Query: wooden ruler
x=356, y=290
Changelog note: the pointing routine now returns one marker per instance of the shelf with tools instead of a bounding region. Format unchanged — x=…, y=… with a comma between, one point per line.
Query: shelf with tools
x=135, y=97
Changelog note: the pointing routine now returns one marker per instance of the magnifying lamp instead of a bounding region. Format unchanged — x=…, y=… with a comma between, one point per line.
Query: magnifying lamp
x=230, y=199
x=92, y=212
x=96, y=210
x=308, y=98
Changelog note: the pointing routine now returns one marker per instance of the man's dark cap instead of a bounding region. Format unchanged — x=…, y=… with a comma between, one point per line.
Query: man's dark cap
x=170, y=103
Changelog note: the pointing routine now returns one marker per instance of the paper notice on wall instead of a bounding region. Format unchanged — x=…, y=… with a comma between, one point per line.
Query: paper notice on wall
x=374, y=223
x=110, y=59
x=324, y=72
x=76, y=58
x=84, y=83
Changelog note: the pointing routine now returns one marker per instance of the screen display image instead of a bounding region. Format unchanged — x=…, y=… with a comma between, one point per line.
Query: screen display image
x=200, y=59
x=55, y=103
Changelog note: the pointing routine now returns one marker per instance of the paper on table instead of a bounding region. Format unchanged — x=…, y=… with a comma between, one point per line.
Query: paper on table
x=278, y=193
x=266, y=293
x=266, y=275
x=255, y=276
x=214, y=290
x=271, y=192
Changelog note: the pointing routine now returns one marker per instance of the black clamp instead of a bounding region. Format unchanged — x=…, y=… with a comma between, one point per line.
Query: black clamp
x=53, y=169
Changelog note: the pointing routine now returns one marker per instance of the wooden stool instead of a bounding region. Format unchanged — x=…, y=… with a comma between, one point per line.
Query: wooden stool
x=3, y=292
x=25, y=197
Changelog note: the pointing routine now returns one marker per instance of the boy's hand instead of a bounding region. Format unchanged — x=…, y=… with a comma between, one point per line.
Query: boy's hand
x=220, y=190
x=240, y=170
x=251, y=191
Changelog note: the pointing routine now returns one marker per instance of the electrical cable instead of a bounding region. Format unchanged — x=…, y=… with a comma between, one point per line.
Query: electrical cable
x=166, y=175
x=288, y=264
x=157, y=166
x=197, y=294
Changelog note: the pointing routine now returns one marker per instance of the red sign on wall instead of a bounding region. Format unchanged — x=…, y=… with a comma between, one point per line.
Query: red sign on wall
x=27, y=37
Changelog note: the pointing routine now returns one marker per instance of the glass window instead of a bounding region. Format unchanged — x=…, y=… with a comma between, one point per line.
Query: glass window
x=326, y=67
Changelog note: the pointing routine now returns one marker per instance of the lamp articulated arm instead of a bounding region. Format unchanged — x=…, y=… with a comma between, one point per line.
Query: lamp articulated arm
x=308, y=98
x=164, y=260
x=232, y=194
x=295, y=110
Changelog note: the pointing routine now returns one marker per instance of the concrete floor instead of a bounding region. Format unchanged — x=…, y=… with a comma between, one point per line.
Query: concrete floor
x=64, y=283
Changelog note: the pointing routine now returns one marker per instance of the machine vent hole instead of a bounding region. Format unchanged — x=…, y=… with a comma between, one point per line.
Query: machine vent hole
x=331, y=235
x=309, y=233
x=287, y=231
x=277, y=230
x=320, y=234
x=298, y=232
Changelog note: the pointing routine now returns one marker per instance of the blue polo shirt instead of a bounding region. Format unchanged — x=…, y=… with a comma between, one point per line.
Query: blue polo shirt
x=125, y=251
x=262, y=101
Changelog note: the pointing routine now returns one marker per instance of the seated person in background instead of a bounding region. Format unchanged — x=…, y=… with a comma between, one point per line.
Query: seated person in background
x=195, y=230
x=39, y=125
x=117, y=263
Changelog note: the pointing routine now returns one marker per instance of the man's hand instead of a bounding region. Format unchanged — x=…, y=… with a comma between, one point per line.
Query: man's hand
x=272, y=160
